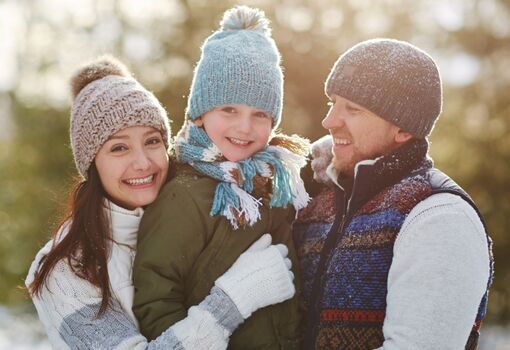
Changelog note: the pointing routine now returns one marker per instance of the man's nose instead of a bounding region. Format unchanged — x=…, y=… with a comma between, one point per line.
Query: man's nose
x=333, y=119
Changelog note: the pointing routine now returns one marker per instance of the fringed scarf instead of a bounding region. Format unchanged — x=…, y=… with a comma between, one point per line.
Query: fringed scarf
x=281, y=162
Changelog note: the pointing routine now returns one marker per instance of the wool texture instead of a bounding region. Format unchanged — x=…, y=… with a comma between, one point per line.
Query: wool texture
x=345, y=264
x=68, y=305
x=106, y=100
x=280, y=162
x=240, y=64
x=393, y=79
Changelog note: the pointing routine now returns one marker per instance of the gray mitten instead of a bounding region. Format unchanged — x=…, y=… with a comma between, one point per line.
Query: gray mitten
x=321, y=159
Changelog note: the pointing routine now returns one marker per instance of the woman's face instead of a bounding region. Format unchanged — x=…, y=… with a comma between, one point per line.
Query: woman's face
x=132, y=166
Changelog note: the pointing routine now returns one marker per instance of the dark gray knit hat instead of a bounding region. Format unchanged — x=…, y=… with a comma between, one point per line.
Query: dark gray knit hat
x=393, y=79
x=108, y=99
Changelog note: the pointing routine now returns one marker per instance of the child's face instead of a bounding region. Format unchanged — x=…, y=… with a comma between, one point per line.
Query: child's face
x=132, y=166
x=239, y=131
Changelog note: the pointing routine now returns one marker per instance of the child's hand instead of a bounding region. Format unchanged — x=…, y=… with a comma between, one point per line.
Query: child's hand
x=260, y=277
x=321, y=158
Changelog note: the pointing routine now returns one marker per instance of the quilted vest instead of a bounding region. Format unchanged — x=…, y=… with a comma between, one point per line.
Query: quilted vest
x=345, y=247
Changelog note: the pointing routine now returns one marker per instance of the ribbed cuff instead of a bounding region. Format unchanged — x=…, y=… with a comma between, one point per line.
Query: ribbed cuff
x=218, y=304
x=265, y=281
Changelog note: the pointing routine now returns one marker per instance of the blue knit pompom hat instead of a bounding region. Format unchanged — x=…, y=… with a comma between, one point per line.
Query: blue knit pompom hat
x=240, y=64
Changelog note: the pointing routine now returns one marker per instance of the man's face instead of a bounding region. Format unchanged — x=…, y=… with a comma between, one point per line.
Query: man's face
x=357, y=133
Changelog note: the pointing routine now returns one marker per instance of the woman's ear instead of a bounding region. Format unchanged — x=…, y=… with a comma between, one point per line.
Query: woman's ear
x=402, y=136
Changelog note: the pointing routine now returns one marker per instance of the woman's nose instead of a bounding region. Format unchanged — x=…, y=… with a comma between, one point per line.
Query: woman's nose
x=141, y=161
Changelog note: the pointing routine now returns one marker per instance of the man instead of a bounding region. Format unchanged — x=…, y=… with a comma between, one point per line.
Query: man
x=396, y=255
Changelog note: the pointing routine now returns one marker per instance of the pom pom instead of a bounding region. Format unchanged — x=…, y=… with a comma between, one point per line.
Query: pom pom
x=244, y=17
x=97, y=69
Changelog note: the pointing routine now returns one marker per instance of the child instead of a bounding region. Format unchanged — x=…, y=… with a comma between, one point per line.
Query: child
x=80, y=282
x=236, y=182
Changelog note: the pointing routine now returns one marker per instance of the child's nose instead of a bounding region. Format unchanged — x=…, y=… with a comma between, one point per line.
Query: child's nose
x=244, y=123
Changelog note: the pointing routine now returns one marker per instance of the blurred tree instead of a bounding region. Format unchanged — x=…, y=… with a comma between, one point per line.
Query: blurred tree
x=160, y=40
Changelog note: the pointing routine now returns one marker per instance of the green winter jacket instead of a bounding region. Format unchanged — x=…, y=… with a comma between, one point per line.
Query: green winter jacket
x=182, y=250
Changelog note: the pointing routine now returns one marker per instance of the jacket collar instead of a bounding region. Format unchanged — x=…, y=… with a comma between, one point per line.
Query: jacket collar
x=373, y=175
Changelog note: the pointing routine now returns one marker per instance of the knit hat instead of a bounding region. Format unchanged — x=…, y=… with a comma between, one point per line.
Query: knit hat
x=106, y=100
x=393, y=79
x=240, y=64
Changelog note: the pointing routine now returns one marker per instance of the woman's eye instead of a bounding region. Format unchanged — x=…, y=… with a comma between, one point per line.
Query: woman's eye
x=154, y=141
x=118, y=148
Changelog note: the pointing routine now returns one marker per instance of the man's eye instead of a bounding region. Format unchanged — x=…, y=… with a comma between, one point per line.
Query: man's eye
x=354, y=110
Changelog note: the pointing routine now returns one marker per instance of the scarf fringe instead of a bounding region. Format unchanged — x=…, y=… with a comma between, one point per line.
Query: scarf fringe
x=293, y=163
x=281, y=160
x=248, y=208
x=235, y=204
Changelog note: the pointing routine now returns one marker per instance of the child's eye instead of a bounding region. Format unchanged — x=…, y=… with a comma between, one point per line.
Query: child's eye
x=262, y=115
x=228, y=109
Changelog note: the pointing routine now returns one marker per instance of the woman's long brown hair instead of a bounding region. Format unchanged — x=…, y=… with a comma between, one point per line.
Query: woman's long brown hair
x=86, y=245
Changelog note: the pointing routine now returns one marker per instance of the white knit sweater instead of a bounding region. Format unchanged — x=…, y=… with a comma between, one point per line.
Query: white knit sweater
x=438, y=276
x=68, y=304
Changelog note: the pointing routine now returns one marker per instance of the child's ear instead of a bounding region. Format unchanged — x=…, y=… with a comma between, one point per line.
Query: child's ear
x=199, y=122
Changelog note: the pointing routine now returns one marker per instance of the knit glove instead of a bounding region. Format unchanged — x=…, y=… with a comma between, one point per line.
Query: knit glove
x=260, y=277
x=321, y=158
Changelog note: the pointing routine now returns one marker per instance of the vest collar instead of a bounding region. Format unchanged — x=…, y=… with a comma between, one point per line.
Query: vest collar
x=373, y=175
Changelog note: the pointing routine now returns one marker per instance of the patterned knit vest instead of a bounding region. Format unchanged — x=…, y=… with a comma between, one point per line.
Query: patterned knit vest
x=345, y=265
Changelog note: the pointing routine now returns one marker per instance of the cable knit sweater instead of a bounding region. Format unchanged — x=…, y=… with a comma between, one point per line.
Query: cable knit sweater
x=68, y=305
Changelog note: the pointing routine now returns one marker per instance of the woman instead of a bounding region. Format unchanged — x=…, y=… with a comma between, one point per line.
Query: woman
x=80, y=281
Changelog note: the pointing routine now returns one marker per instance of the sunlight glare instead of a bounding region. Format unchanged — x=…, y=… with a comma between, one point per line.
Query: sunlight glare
x=145, y=12
x=332, y=18
x=299, y=19
x=460, y=70
x=12, y=31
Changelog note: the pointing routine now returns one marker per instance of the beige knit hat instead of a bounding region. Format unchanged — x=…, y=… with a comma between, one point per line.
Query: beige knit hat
x=108, y=99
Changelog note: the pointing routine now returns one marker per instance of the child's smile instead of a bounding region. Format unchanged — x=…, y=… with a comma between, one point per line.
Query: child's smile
x=239, y=131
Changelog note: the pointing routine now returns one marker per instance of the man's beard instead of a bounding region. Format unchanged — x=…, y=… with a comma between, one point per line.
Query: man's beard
x=345, y=167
